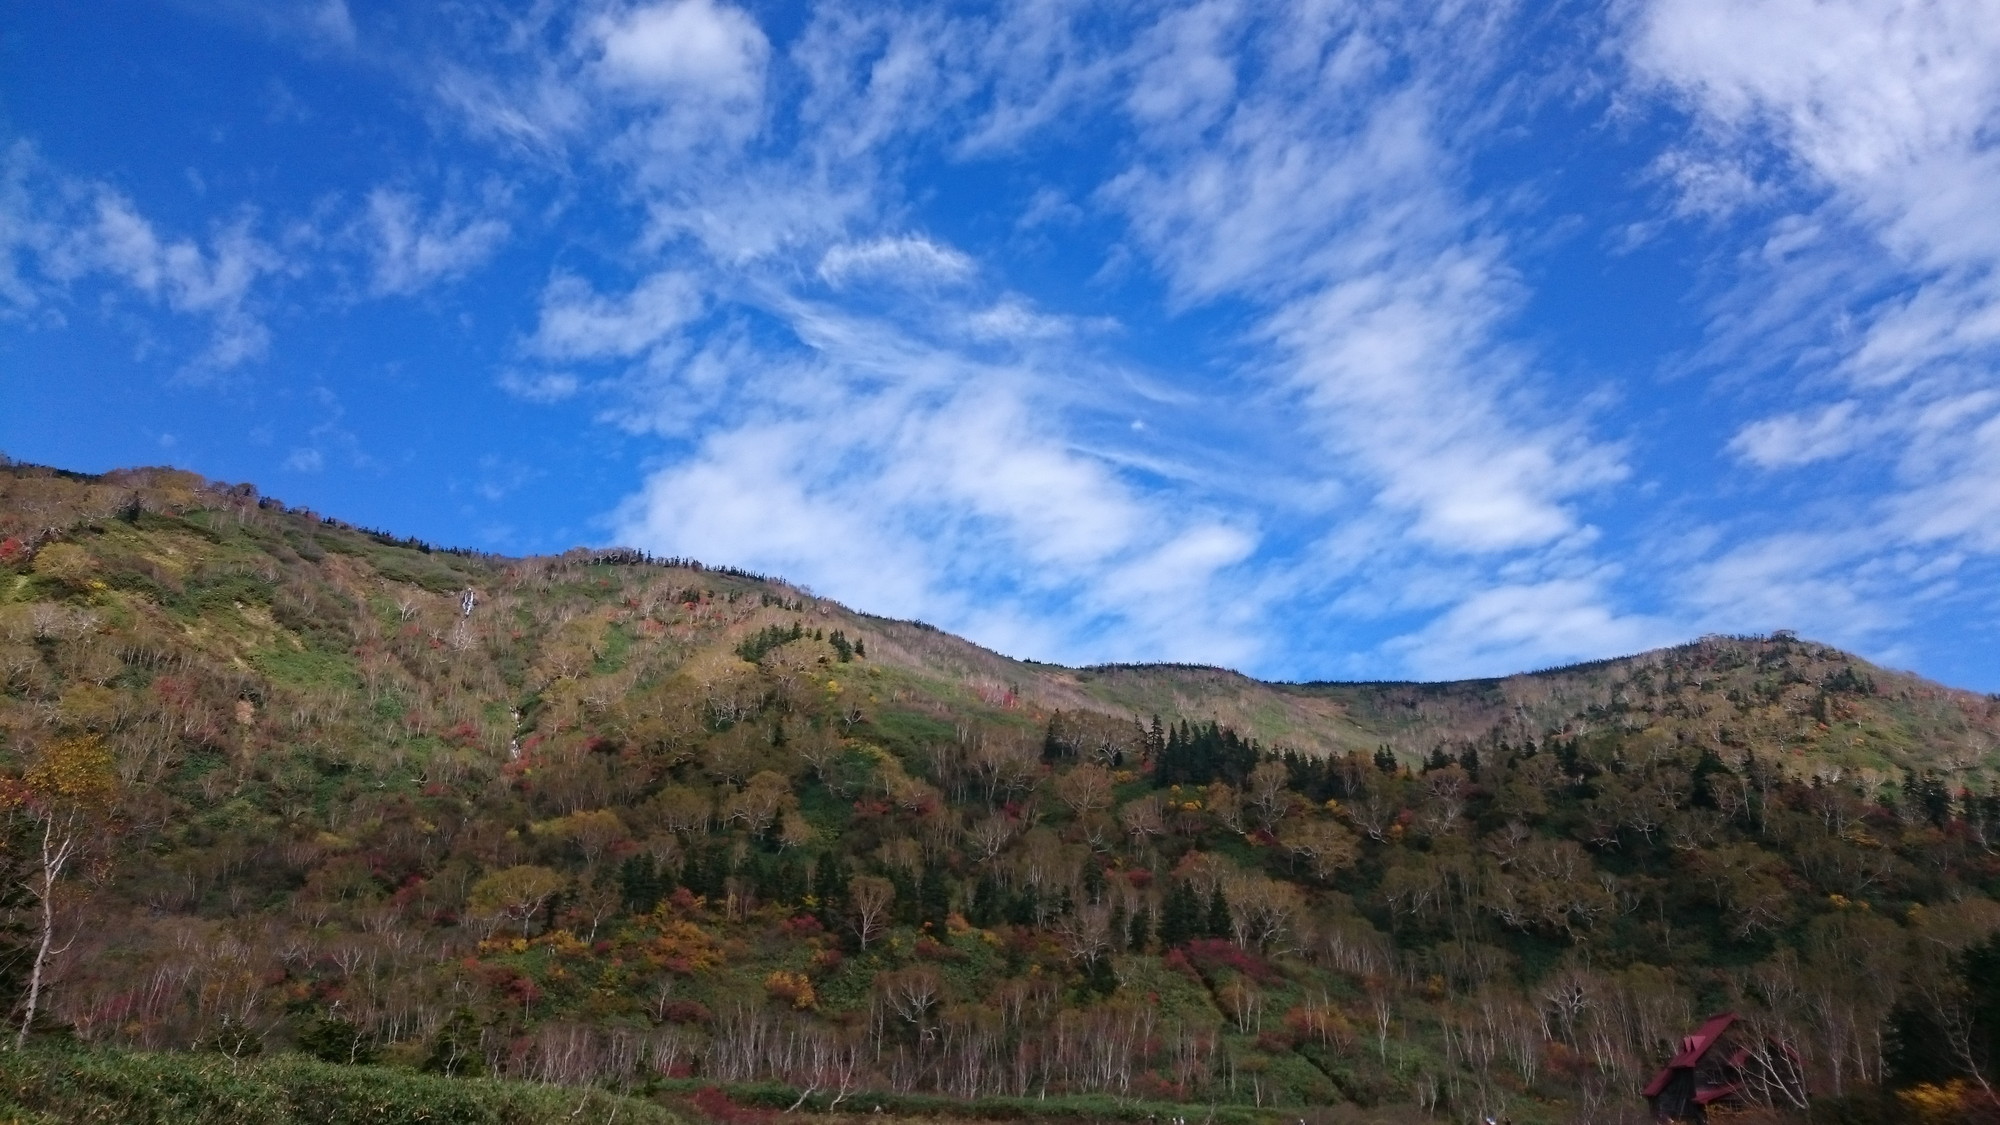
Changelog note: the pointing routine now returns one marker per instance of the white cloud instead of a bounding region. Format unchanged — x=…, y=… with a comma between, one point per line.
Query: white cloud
x=685, y=47
x=1880, y=119
x=1401, y=376
x=1708, y=185
x=579, y=323
x=1186, y=69
x=541, y=387
x=905, y=260
x=1891, y=107
x=1329, y=196
x=1013, y=318
x=1513, y=628
x=1801, y=439
x=411, y=253
x=1811, y=582
x=912, y=480
x=536, y=113
x=56, y=231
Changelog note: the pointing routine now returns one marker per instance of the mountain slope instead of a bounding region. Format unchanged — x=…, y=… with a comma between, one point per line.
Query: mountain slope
x=604, y=819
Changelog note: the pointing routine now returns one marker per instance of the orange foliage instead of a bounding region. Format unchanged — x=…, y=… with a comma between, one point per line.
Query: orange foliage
x=792, y=988
x=684, y=948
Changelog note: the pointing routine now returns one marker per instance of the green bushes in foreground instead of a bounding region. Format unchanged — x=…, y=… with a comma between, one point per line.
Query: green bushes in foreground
x=51, y=1085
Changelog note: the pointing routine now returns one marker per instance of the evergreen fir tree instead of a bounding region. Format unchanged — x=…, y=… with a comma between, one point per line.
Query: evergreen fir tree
x=1180, y=917
x=829, y=885
x=788, y=883
x=639, y=882
x=1140, y=931
x=1093, y=881
x=986, y=901
x=1025, y=905
x=1217, y=923
x=933, y=899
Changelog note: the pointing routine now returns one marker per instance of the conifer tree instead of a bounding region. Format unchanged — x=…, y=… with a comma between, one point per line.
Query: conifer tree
x=933, y=898
x=1180, y=917
x=986, y=901
x=1140, y=930
x=1217, y=923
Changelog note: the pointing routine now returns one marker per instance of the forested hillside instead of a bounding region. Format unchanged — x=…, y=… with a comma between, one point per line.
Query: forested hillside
x=274, y=783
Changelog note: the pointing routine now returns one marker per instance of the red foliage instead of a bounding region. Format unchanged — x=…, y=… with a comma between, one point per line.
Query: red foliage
x=1212, y=954
x=10, y=549
x=1139, y=877
x=686, y=1011
x=866, y=809
x=930, y=949
x=408, y=890
x=1154, y=1087
x=713, y=1103
x=801, y=925
x=1276, y=1042
x=828, y=959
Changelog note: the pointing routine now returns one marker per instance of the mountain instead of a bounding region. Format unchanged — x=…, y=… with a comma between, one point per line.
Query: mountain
x=275, y=782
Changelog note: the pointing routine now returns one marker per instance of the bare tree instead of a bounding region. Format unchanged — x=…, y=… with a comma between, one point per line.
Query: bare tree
x=1085, y=789
x=868, y=901
x=69, y=795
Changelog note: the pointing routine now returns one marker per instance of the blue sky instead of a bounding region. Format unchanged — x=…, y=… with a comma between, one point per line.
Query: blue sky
x=1321, y=340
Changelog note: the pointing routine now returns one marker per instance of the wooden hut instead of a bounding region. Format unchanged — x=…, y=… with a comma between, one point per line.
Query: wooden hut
x=1708, y=1070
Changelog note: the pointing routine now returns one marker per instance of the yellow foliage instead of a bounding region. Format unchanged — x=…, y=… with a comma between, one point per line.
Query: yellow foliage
x=66, y=563
x=1948, y=1104
x=684, y=947
x=562, y=943
x=75, y=774
x=792, y=988
x=88, y=706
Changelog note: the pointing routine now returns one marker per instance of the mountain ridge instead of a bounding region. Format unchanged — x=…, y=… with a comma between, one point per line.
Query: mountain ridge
x=1412, y=718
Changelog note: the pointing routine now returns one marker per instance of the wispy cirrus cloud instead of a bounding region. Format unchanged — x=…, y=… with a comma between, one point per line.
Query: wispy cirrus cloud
x=1314, y=183
x=58, y=230
x=1872, y=124
x=411, y=250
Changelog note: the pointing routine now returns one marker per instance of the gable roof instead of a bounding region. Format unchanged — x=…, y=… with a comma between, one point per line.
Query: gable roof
x=1695, y=1046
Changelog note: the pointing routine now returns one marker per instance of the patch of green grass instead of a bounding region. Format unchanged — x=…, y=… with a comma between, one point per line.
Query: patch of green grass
x=617, y=643
x=117, y=1087
x=305, y=668
x=904, y=733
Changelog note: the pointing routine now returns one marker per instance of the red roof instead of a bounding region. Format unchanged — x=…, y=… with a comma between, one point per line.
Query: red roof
x=1709, y=1094
x=1695, y=1046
